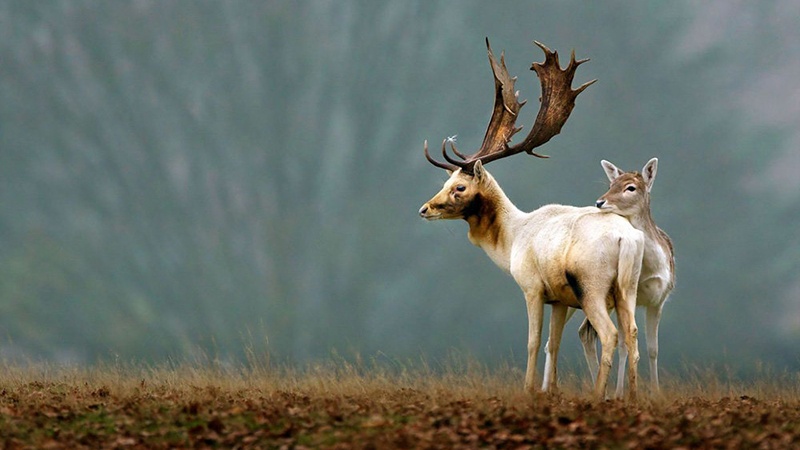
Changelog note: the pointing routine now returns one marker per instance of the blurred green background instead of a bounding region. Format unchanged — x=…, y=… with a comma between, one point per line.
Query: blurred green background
x=214, y=176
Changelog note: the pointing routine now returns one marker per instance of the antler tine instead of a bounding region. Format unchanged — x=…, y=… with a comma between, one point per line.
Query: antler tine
x=435, y=162
x=447, y=157
x=572, y=67
x=455, y=150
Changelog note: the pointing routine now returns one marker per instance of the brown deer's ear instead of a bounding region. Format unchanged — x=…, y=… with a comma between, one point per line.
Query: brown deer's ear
x=649, y=173
x=612, y=171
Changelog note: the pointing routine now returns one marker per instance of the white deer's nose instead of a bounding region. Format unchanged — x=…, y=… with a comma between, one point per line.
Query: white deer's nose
x=600, y=203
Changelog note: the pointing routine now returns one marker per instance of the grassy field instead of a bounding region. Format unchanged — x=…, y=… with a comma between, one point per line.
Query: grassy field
x=357, y=405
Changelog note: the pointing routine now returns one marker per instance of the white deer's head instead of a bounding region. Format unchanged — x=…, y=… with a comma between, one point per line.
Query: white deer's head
x=462, y=193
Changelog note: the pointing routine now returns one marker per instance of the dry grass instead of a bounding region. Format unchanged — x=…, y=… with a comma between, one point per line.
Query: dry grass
x=386, y=404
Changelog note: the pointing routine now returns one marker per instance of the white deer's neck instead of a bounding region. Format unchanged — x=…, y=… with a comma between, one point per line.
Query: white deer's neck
x=490, y=219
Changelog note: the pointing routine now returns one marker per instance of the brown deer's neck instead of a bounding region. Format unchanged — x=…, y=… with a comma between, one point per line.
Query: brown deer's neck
x=644, y=222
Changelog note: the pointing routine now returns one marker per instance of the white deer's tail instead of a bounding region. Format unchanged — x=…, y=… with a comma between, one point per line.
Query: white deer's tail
x=629, y=267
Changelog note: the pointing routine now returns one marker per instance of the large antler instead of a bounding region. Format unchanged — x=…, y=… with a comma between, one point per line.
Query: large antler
x=557, y=101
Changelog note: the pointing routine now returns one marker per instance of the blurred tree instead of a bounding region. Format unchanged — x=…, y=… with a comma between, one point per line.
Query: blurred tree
x=187, y=175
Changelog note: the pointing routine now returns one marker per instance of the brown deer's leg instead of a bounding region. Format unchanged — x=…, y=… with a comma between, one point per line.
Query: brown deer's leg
x=651, y=329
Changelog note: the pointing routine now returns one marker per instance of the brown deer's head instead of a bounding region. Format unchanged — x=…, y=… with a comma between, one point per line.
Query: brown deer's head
x=629, y=193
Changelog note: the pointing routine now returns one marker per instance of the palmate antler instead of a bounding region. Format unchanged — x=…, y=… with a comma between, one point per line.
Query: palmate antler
x=557, y=101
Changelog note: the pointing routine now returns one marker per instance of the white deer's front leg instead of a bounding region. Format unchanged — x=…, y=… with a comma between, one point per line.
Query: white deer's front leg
x=535, y=306
x=550, y=359
x=558, y=318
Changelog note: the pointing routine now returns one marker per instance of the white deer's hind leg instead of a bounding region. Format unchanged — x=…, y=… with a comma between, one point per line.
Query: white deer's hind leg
x=557, y=321
x=588, y=338
x=535, y=306
x=627, y=325
x=598, y=316
x=651, y=329
x=629, y=270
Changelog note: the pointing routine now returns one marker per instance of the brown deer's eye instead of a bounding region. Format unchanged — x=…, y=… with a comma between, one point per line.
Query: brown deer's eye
x=461, y=188
x=630, y=188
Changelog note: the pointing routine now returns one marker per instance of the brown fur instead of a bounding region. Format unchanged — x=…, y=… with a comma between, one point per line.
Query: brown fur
x=481, y=215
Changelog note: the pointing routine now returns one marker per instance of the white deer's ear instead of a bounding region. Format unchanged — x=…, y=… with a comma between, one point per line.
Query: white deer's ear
x=649, y=173
x=612, y=171
x=478, y=172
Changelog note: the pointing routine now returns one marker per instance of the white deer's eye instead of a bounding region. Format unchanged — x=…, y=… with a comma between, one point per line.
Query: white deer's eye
x=630, y=188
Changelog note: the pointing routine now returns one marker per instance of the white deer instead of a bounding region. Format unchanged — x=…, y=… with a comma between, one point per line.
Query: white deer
x=564, y=256
x=629, y=197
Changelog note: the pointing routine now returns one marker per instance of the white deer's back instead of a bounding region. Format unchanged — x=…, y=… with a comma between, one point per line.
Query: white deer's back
x=556, y=240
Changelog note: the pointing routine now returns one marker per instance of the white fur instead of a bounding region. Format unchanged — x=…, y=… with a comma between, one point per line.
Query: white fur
x=539, y=248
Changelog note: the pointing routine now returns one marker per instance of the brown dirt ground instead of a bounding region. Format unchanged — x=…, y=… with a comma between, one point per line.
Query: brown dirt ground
x=353, y=408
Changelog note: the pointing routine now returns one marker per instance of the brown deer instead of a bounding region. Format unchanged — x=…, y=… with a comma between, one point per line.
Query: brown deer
x=629, y=197
x=560, y=255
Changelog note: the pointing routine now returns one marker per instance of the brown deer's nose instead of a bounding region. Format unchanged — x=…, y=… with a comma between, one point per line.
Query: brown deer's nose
x=423, y=210
x=600, y=203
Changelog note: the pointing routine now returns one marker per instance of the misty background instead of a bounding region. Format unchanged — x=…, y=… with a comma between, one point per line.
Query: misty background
x=231, y=176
